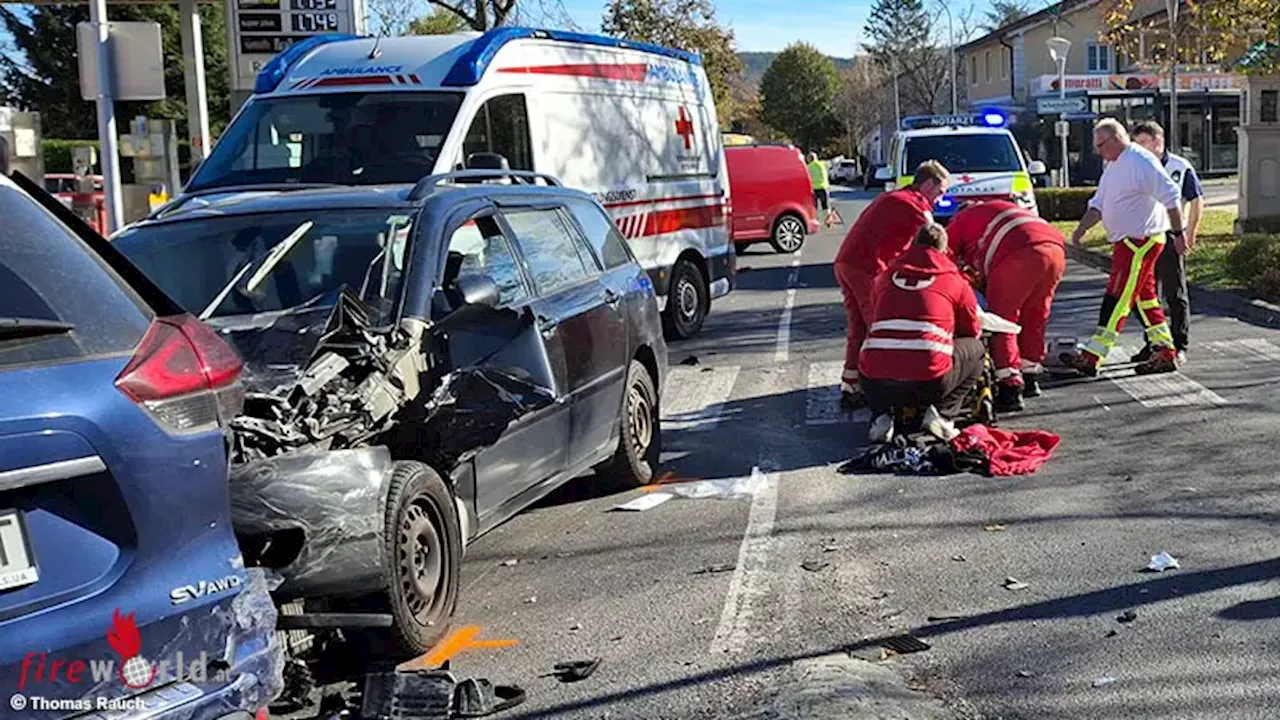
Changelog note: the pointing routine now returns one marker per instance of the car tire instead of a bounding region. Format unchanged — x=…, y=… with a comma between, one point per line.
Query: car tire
x=422, y=557
x=688, y=300
x=788, y=234
x=639, y=432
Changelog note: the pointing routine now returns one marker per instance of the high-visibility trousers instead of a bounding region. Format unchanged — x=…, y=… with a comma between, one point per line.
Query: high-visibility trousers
x=1020, y=289
x=1133, y=281
x=855, y=286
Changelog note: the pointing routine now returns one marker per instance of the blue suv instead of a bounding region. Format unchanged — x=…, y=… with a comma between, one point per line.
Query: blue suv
x=123, y=592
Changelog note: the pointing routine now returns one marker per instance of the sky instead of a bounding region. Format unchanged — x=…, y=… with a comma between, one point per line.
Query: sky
x=834, y=26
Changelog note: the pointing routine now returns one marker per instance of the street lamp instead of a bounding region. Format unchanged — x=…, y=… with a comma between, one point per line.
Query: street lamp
x=1058, y=49
x=951, y=51
x=1171, y=8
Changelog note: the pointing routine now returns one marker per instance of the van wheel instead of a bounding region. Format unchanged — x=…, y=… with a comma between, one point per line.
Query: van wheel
x=639, y=434
x=687, y=302
x=788, y=234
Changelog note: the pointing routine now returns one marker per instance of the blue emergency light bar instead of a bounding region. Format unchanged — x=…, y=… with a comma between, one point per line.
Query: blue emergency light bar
x=985, y=118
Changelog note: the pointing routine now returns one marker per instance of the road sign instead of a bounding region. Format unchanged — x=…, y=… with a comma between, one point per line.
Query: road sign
x=137, y=66
x=1055, y=106
x=262, y=28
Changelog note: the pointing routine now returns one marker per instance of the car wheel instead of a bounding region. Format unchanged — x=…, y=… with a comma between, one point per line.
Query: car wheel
x=422, y=557
x=640, y=432
x=788, y=234
x=687, y=302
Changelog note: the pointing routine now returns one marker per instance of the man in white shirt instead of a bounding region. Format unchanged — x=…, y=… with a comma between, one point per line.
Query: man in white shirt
x=1137, y=203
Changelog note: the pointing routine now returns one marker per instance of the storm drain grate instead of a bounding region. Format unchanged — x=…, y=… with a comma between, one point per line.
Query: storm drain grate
x=904, y=644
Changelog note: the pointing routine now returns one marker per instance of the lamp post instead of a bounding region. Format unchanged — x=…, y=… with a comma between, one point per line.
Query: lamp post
x=1058, y=49
x=951, y=51
x=1171, y=8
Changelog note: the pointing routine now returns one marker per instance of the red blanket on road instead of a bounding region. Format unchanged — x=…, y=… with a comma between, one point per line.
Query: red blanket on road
x=1008, y=453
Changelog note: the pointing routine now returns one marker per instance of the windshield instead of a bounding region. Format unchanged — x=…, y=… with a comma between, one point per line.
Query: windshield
x=964, y=153
x=347, y=139
x=250, y=264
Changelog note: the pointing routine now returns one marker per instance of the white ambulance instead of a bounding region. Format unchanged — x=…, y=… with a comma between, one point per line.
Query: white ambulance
x=633, y=124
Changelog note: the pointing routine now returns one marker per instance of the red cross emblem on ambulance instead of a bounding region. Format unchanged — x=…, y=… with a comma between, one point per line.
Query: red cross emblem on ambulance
x=966, y=178
x=684, y=128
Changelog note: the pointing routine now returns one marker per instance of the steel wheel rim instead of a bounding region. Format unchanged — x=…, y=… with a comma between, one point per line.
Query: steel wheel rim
x=790, y=234
x=687, y=298
x=421, y=559
x=640, y=419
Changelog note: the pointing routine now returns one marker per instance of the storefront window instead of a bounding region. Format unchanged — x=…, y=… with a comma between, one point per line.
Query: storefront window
x=1223, y=121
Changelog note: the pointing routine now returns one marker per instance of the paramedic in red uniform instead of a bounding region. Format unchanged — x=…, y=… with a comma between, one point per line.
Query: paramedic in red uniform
x=1018, y=259
x=883, y=232
x=922, y=348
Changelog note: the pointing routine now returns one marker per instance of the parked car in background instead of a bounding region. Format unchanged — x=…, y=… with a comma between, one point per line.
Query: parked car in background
x=772, y=197
x=844, y=172
x=422, y=362
x=117, y=557
x=870, y=181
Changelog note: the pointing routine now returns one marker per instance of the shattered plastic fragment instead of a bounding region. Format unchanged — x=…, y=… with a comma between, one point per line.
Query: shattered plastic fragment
x=509, y=563
x=994, y=528
x=1163, y=561
x=1102, y=681
x=1012, y=583
x=644, y=502
x=1128, y=617
x=814, y=565
x=727, y=488
x=714, y=569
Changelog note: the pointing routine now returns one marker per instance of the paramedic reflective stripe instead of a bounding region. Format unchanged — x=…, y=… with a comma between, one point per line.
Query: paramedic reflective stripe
x=910, y=326
x=989, y=243
x=904, y=344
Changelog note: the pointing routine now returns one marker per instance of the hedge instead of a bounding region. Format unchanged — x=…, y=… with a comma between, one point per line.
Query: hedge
x=1255, y=264
x=1063, y=203
x=57, y=154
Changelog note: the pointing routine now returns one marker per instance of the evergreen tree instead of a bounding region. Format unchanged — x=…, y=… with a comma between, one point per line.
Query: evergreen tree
x=800, y=95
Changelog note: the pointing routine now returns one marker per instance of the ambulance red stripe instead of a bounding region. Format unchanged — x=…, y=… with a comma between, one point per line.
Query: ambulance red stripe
x=661, y=222
x=355, y=80
x=633, y=72
x=655, y=201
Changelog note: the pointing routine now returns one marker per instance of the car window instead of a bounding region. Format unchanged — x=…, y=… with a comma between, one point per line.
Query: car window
x=550, y=252
x=501, y=126
x=480, y=248
x=47, y=275
x=602, y=233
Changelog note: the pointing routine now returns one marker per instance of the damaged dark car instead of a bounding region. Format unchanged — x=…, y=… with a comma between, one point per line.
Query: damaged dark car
x=421, y=363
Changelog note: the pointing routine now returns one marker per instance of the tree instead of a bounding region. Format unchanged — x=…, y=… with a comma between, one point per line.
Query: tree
x=1223, y=30
x=42, y=75
x=1004, y=12
x=686, y=25
x=482, y=15
x=902, y=35
x=799, y=95
x=439, y=22
x=862, y=99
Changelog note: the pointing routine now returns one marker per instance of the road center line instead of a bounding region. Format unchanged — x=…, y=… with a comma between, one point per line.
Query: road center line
x=750, y=577
x=782, y=353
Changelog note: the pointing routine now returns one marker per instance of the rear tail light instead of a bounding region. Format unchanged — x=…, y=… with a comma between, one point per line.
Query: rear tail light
x=185, y=375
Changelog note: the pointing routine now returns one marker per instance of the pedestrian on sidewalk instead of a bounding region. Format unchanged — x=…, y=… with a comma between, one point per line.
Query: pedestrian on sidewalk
x=884, y=230
x=923, y=348
x=1018, y=260
x=1171, y=267
x=1137, y=203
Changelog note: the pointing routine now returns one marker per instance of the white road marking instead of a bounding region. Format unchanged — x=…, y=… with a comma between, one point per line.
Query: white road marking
x=695, y=398
x=750, y=578
x=822, y=398
x=1247, y=348
x=782, y=353
x=1167, y=390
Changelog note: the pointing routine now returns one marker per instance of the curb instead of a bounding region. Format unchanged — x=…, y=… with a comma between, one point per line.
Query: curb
x=1252, y=310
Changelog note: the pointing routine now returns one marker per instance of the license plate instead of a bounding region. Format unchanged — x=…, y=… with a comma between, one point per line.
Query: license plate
x=17, y=562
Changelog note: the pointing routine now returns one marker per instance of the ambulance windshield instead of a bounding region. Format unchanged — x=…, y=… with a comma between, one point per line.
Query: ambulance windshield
x=346, y=139
x=966, y=153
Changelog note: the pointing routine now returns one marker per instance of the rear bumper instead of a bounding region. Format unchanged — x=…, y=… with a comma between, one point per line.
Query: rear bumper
x=722, y=271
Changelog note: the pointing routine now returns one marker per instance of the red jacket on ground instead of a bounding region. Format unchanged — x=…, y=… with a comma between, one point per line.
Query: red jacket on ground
x=885, y=230
x=922, y=303
x=982, y=234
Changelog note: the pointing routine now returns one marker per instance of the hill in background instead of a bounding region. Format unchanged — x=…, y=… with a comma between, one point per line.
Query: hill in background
x=758, y=62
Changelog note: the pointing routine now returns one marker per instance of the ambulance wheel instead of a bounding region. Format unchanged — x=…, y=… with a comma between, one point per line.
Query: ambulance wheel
x=788, y=234
x=687, y=302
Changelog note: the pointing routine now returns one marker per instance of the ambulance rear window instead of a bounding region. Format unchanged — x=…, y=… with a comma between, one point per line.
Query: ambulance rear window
x=967, y=153
x=346, y=138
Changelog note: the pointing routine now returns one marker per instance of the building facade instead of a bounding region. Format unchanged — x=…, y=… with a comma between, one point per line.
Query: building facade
x=1011, y=69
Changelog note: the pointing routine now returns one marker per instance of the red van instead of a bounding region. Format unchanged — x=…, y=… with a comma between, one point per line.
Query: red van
x=772, y=196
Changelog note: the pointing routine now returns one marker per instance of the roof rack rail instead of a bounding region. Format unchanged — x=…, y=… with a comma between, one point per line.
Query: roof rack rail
x=524, y=177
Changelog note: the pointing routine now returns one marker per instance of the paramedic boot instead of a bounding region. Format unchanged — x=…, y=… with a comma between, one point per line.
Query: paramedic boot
x=1009, y=398
x=1082, y=362
x=881, y=429
x=1163, y=360
x=851, y=397
x=938, y=426
x=1143, y=355
x=1031, y=385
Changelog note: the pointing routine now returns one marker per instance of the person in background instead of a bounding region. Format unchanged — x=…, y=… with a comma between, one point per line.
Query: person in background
x=1018, y=260
x=923, y=348
x=820, y=178
x=1171, y=267
x=884, y=230
x=1137, y=203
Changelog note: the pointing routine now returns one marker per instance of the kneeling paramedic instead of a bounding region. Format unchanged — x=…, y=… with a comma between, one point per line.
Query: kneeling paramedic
x=882, y=232
x=1019, y=260
x=922, y=348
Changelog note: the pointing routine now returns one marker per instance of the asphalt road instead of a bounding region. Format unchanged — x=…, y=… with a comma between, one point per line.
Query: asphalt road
x=701, y=607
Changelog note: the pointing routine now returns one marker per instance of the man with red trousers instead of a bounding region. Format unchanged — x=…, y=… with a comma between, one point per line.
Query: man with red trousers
x=1018, y=260
x=882, y=232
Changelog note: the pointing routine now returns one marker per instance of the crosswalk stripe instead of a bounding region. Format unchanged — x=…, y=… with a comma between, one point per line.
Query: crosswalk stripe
x=822, y=398
x=1245, y=348
x=695, y=398
x=1167, y=390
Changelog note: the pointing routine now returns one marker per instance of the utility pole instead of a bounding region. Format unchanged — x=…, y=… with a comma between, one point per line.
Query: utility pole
x=107, y=117
x=1171, y=8
x=951, y=51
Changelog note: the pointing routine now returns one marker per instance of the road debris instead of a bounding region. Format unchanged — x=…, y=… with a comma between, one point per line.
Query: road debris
x=726, y=488
x=904, y=644
x=575, y=670
x=994, y=528
x=714, y=569
x=944, y=618
x=575, y=627
x=426, y=694
x=814, y=565
x=509, y=563
x=1025, y=674
x=1127, y=617
x=1013, y=583
x=830, y=548
x=531, y=600
x=691, y=360
x=1103, y=681
x=477, y=697
x=644, y=502
x=1112, y=633
x=959, y=558
x=1163, y=561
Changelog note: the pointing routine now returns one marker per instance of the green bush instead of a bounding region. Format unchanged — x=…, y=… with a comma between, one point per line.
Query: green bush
x=1063, y=203
x=1255, y=264
x=57, y=154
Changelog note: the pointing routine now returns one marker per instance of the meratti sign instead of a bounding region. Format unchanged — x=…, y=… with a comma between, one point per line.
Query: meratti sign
x=1046, y=84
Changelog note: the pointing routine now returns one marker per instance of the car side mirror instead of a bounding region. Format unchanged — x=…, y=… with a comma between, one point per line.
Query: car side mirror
x=884, y=173
x=478, y=291
x=1037, y=167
